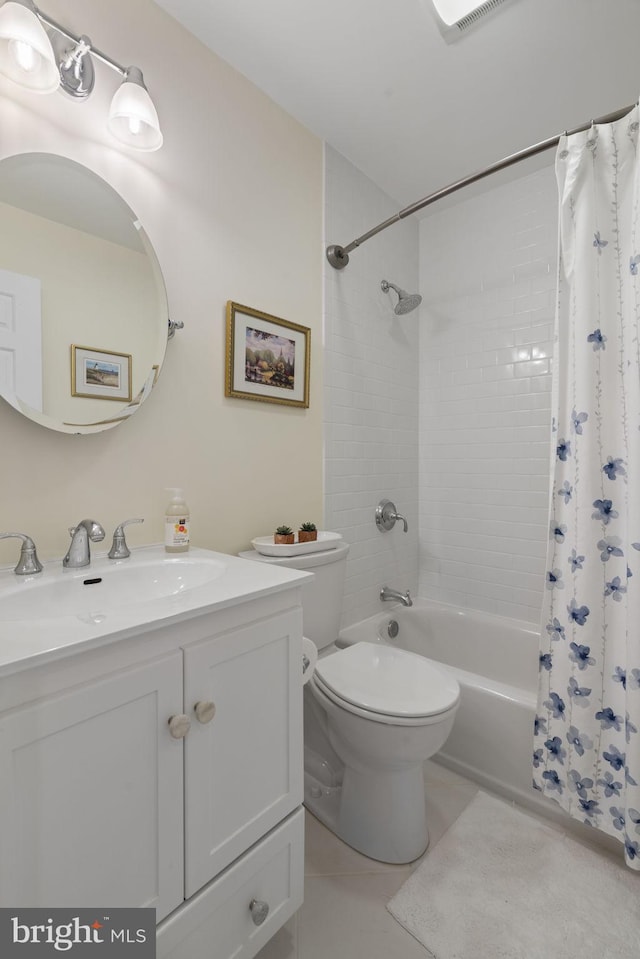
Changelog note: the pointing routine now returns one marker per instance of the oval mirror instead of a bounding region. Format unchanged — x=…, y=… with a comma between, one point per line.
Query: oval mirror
x=83, y=308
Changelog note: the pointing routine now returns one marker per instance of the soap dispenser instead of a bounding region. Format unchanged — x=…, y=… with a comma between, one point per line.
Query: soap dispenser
x=176, y=523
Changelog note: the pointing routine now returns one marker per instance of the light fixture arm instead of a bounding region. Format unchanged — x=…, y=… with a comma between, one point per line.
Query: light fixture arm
x=98, y=54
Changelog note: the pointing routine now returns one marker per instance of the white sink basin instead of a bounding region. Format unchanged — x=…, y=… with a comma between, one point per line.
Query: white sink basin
x=105, y=586
x=44, y=616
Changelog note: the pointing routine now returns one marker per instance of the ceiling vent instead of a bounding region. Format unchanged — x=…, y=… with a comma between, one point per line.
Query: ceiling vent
x=455, y=17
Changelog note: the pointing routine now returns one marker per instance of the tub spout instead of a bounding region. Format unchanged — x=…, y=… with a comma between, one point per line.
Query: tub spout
x=387, y=595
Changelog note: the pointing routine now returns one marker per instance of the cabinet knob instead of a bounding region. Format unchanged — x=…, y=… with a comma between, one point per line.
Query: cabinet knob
x=204, y=711
x=179, y=725
x=259, y=911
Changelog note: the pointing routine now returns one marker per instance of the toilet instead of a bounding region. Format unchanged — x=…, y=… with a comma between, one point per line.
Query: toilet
x=372, y=715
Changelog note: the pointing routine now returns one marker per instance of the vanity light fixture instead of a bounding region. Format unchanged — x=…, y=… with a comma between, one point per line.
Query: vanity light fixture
x=42, y=56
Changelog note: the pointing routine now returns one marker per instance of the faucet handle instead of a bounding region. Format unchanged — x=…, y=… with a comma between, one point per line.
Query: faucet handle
x=119, y=548
x=28, y=562
x=387, y=515
x=404, y=522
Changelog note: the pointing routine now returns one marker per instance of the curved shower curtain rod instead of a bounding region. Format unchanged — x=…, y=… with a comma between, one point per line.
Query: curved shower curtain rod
x=338, y=256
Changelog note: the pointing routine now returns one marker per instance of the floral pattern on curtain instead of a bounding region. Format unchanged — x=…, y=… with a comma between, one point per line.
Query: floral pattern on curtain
x=587, y=744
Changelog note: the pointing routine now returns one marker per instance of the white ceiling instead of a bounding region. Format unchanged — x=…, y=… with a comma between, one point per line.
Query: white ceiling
x=377, y=80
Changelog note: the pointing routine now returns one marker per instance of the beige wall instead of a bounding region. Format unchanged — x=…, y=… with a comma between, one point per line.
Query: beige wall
x=233, y=207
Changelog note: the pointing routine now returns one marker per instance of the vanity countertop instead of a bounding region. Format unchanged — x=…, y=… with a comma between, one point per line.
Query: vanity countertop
x=59, y=611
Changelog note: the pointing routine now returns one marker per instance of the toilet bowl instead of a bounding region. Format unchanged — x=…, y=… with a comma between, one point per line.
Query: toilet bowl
x=387, y=711
x=372, y=715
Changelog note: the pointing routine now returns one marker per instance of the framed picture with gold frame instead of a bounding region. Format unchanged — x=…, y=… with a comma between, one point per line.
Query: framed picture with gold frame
x=267, y=358
x=100, y=374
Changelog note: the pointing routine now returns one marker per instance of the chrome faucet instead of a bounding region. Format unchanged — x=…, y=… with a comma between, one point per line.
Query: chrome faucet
x=389, y=595
x=79, y=553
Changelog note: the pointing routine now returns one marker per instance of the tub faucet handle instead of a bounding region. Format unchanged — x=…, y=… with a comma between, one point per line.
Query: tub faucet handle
x=387, y=516
x=404, y=522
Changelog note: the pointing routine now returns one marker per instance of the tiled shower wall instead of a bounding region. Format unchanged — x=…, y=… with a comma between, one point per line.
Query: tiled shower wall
x=488, y=278
x=466, y=381
x=371, y=389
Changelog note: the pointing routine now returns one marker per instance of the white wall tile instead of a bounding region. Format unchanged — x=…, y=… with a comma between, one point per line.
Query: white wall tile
x=445, y=411
x=484, y=410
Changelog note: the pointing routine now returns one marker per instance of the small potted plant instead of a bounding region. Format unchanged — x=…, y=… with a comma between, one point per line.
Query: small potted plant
x=283, y=534
x=307, y=533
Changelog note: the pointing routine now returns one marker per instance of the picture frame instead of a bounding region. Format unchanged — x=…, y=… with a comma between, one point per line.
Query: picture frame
x=267, y=358
x=100, y=374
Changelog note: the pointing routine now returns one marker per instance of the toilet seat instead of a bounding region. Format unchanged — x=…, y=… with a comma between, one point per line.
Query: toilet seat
x=386, y=685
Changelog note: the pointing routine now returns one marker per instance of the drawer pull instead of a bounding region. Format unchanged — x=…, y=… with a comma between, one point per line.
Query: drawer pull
x=259, y=911
x=204, y=711
x=179, y=725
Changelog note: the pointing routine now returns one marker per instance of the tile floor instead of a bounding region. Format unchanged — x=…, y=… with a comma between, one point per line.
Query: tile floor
x=344, y=913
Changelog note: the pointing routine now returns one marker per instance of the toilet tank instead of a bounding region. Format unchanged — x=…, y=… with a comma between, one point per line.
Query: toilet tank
x=322, y=597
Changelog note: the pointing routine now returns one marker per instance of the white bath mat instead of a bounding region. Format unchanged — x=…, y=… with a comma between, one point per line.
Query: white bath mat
x=501, y=885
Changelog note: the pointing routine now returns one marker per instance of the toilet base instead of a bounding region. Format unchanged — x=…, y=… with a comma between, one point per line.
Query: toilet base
x=381, y=816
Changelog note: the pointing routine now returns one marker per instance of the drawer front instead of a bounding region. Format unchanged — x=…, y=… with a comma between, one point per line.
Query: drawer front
x=217, y=923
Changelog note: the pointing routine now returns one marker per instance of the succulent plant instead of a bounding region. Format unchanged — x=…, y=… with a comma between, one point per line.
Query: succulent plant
x=308, y=527
x=284, y=531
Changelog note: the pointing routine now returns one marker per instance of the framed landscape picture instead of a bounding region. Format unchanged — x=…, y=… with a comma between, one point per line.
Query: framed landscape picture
x=100, y=374
x=267, y=358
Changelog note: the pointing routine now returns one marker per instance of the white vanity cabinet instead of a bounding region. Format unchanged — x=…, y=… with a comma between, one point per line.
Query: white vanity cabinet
x=164, y=770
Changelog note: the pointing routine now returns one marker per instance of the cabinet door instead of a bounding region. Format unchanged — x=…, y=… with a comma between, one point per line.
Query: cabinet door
x=91, y=794
x=243, y=768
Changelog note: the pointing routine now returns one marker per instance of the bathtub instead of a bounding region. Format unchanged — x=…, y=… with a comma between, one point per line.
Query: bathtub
x=495, y=661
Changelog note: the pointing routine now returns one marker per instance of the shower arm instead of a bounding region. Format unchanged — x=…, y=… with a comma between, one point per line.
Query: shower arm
x=338, y=256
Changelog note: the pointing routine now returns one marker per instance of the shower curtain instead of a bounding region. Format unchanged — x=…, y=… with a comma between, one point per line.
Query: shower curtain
x=587, y=744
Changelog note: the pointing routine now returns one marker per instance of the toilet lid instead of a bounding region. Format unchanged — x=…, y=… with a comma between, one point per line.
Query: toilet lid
x=387, y=680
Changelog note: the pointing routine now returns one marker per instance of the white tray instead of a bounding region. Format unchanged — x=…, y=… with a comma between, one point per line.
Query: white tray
x=266, y=546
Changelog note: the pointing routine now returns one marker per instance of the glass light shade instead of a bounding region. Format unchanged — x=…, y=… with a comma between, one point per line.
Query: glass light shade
x=450, y=11
x=132, y=118
x=26, y=55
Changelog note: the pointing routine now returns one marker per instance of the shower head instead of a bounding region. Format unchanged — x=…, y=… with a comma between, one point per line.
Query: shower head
x=406, y=301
